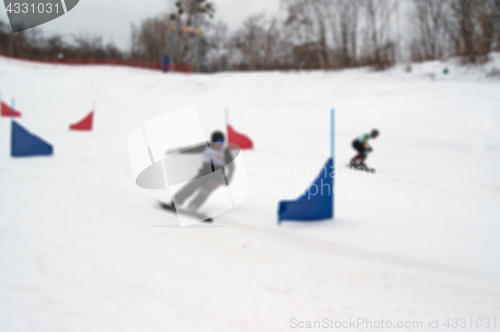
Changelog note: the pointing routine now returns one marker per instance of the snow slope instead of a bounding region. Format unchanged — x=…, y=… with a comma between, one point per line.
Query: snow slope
x=83, y=249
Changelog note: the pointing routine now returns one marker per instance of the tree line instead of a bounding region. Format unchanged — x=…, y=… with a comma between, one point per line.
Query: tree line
x=330, y=34
x=303, y=34
x=33, y=44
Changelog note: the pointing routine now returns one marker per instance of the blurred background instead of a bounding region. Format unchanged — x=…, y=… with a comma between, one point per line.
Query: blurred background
x=265, y=35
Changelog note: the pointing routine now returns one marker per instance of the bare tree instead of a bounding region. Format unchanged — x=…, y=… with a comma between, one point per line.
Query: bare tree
x=278, y=51
x=345, y=27
x=485, y=15
x=193, y=14
x=54, y=45
x=250, y=39
x=307, y=24
x=496, y=16
x=150, y=39
x=219, y=47
x=379, y=44
x=461, y=28
x=472, y=27
x=89, y=45
x=428, y=17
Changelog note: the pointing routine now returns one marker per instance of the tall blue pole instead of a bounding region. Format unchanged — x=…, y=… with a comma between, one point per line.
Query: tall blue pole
x=12, y=105
x=332, y=154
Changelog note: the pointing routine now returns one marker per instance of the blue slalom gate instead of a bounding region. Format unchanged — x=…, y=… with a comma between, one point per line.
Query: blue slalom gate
x=26, y=144
x=318, y=202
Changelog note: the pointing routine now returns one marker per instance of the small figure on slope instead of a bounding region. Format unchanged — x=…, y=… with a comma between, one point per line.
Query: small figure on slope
x=360, y=144
x=216, y=155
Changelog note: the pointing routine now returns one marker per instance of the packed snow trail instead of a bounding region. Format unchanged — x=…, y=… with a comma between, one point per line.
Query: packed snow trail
x=83, y=248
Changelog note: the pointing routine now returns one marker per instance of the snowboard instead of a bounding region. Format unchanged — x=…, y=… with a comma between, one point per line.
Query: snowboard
x=362, y=168
x=197, y=215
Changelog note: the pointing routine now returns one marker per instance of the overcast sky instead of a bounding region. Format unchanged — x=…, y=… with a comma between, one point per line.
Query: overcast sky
x=112, y=18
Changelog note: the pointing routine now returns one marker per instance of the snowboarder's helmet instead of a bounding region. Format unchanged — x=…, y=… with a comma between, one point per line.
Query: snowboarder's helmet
x=217, y=136
x=374, y=133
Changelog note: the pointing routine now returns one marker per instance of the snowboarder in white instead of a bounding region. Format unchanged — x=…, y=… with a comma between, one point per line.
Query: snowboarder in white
x=215, y=156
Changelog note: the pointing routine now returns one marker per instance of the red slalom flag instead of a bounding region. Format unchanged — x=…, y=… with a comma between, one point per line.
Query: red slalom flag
x=243, y=141
x=85, y=124
x=8, y=112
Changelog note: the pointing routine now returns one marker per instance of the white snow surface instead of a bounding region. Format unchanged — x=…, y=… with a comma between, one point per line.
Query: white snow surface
x=82, y=248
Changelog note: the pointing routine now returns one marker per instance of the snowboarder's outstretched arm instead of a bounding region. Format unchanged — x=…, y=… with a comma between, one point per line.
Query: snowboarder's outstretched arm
x=198, y=148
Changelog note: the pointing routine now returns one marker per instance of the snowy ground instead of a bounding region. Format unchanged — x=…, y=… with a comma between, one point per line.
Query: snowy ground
x=83, y=249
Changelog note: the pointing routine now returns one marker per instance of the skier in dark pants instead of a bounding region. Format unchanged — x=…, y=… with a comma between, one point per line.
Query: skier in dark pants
x=360, y=144
x=215, y=156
